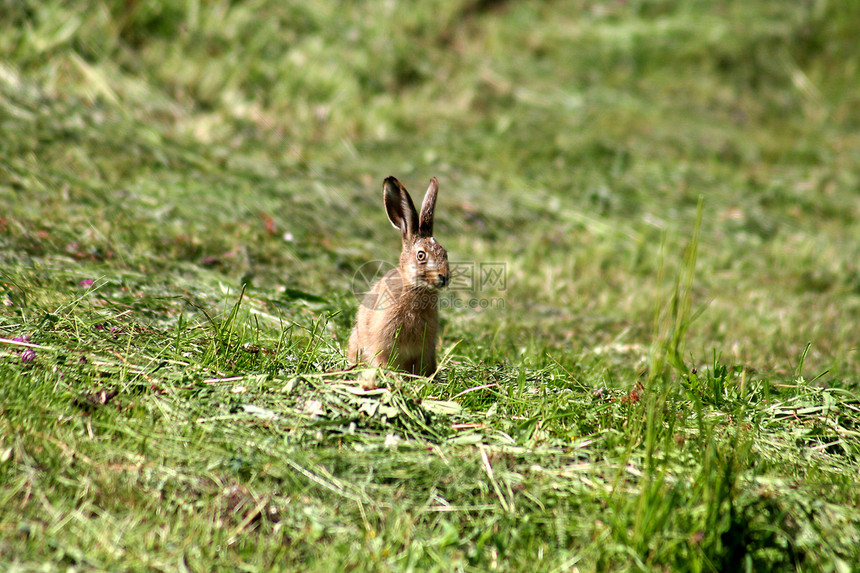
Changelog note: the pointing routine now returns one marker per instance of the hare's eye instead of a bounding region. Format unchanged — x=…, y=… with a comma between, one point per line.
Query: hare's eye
x=422, y=256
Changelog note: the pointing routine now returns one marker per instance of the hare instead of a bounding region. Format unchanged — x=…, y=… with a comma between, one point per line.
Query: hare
x=398, y=319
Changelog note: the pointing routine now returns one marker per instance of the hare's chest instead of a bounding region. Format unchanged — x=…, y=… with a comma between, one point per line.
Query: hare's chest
x=417, y=330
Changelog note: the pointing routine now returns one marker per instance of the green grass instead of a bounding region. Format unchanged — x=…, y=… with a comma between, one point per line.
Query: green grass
x=667, y=381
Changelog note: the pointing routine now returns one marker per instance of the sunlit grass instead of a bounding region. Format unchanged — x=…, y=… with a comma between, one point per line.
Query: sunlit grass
x=667, y=376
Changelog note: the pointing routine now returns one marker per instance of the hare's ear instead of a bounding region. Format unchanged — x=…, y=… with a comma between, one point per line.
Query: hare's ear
x=425, y=221
x=398, y=204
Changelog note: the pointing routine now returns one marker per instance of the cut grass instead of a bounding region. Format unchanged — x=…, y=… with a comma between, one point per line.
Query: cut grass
x=670, y=382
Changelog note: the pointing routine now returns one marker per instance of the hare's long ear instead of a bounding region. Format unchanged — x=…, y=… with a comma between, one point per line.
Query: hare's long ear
x=425, y=221
x=398, y=204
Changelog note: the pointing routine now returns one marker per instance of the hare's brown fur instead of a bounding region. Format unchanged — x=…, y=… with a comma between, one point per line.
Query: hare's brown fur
x=398, y=320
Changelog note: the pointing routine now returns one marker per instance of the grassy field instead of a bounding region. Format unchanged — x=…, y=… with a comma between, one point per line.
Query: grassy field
x=662, y=374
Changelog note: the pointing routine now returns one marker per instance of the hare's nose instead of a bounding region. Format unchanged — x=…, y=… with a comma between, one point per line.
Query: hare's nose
x=443, y=279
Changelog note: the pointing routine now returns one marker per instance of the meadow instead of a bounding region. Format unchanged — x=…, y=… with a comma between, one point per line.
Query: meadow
x=649, y=355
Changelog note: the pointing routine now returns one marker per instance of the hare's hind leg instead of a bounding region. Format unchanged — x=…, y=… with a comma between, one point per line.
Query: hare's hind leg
x=424, y=365
x=428, y=364
x=352, y=348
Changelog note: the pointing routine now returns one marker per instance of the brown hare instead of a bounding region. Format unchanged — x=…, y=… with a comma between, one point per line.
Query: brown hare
x=398, y=320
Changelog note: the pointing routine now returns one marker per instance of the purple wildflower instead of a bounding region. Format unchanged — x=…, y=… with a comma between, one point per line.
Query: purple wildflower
x=86, y=283
x=27, y=354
